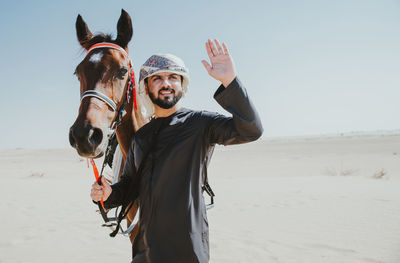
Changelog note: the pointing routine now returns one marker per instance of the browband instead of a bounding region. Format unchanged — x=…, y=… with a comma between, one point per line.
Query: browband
x=108, y=45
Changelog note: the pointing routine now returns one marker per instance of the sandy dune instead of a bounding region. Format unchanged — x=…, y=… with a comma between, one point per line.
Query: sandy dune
x=317, y=199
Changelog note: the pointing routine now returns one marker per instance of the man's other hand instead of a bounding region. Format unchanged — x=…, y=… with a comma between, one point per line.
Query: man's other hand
x=100, y=191
x=222, y=67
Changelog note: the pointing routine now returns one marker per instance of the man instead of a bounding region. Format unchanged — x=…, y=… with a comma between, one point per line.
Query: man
x=166, y=166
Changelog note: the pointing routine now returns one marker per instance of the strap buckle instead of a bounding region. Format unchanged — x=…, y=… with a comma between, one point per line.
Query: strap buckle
x=206, y=187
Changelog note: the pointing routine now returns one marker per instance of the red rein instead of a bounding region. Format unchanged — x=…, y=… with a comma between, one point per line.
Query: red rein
x=96, y=175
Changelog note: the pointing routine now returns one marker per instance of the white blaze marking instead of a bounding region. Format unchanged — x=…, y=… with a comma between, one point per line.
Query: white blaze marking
x=95, y=58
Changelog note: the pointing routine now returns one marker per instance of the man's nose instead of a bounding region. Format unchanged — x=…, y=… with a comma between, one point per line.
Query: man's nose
x=166, y=82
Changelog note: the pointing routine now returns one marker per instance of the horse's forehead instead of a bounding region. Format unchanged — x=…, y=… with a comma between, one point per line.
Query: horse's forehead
x=96, y=57
x=107, y=56
x=99, y=65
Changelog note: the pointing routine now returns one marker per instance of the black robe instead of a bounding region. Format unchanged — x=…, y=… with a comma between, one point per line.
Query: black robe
x=173, y=222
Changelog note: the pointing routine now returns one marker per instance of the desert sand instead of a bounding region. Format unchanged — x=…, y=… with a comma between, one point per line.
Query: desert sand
x=289, y=200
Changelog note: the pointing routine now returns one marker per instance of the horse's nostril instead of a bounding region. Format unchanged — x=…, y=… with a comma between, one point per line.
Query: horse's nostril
x=95, y=136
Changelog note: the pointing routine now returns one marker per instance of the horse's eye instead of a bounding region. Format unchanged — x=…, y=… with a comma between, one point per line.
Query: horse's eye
x=121, y=72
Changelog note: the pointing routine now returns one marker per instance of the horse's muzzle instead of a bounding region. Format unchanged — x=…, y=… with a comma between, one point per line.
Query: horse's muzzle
x=87, y=140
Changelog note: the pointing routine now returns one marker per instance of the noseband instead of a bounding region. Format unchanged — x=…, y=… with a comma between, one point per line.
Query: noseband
x=129, y=91
x=99, y=95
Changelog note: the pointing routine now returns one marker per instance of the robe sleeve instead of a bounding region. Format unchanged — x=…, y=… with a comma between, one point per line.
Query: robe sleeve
x=129, y=179
x=244, y=125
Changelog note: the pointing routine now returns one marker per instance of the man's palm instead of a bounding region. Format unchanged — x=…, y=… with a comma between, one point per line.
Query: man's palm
x=222, y=67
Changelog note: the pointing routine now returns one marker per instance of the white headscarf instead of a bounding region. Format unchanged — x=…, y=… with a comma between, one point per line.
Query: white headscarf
x=157, y=64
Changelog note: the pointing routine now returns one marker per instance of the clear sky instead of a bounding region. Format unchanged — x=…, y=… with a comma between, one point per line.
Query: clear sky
x=310, y=67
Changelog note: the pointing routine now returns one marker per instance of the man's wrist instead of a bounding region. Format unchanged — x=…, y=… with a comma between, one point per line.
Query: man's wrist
x=228, y=81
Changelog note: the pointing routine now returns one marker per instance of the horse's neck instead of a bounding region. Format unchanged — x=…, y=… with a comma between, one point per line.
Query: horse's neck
x=124, y=136
x=129, y=125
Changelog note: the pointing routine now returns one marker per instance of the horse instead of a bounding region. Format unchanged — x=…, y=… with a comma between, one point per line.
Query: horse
x=105, y=79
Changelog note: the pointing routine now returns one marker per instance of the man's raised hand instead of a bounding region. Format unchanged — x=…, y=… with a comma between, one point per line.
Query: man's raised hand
x=222, y=67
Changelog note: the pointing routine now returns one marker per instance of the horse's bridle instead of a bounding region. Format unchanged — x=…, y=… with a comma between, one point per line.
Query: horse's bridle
x=129, y=91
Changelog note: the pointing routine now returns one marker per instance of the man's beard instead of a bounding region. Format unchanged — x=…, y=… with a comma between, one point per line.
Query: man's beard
x=167, y=102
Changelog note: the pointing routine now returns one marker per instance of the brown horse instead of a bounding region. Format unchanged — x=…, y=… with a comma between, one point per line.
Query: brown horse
x=104, y=76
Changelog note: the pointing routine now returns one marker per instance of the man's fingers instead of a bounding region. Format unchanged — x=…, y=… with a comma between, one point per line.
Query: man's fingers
x=96, y=186
x=104, y=181
x=226, y=51
x=212, y=47
x=209, y=52
x=219, y=47
x=96, y=191
x=96, y=195
x=207, y=66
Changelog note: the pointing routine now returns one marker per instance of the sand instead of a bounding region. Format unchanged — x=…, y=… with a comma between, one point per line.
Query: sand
x=310, y=199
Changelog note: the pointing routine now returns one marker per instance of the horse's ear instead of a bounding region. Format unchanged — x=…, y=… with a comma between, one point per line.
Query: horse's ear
x=82, y=31
x=124, y=28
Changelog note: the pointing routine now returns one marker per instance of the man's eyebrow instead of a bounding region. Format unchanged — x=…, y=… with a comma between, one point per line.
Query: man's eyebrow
x=155, y=75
